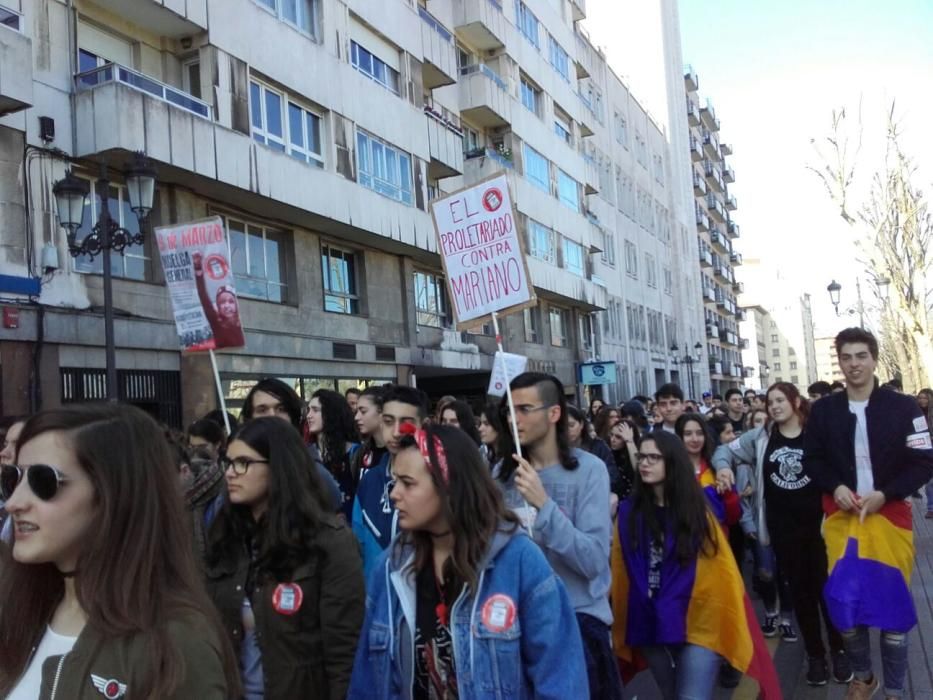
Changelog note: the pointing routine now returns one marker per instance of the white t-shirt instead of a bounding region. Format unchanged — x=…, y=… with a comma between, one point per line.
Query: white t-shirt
x=865, y=478
x=52, y=644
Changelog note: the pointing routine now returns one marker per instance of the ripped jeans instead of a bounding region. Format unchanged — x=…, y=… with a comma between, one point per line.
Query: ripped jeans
x=893, y=658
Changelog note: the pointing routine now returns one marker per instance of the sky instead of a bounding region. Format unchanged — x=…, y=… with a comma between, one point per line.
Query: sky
x=775, y=72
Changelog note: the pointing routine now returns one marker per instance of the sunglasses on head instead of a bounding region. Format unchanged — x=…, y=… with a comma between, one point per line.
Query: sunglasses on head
x=44, y=480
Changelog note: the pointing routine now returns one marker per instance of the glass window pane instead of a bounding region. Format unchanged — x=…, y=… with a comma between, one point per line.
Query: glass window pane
x=194, y=78
x=275, y=270
x=305, y=15
x=314, y=133
x=238, y=261
x=295, y=125
x=255, y=104
x=273, y=113
x=257, y=263
x=290, y=10
x=362, y=153
x=135, y=267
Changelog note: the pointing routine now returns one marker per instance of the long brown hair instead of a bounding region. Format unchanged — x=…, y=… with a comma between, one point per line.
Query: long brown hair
x=137, y=571
x=472, y=504
x=800, y=405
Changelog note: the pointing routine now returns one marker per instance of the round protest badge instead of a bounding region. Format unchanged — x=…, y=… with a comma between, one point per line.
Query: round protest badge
x=216, y=266
x=492, y=199
x=287, y=598
x=499, y=613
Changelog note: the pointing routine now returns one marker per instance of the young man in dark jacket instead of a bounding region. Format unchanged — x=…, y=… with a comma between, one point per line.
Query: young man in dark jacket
x=868, y=449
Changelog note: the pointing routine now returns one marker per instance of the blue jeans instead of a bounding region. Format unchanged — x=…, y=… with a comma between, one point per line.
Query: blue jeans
x=929, y=490
x=683, y=671
x=893, y=658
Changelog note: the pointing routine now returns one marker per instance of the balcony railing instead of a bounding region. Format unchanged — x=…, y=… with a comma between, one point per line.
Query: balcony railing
x=115, y=73
x=504, y=160
x=432, y=22
x=487, y=71
x=11, y=19
x=444, y=116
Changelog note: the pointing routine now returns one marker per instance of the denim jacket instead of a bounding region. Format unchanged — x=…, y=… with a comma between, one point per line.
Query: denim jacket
x=529, y=647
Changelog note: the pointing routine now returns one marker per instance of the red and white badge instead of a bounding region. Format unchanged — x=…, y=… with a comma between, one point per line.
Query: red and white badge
x=109, y=687
x=287, y=598
x=499, y=613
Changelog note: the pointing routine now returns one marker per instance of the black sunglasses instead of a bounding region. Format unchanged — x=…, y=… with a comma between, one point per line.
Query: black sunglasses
x=44, y=480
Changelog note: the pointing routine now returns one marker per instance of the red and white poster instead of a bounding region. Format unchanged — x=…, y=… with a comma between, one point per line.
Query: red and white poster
x=482, y=252
x=196, y=262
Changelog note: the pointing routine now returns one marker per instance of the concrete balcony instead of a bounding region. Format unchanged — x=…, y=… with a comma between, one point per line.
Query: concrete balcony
x=719, y=241
x=691, y=81
x=585, y=53
x=169, y=18
x=445, y=143
x=440, y=56
x=484, y=97
x=714, y=177
x=15, y=64
x=732, y=229
x=693, y=113
x=706, y=258
x=710, y=147
x=481, y=23
x=728, y=174
x=735, y=258
x=579, y=9
x=715, y=368
x=708, y=116
x=712, y=331
x=587, y=116
x=726, y=149
x=709, y=295
x=731, y=203
x=696, y=151
x=702, y=220
x=738, y=287
x=484, y=163
x=715, y=208
x=699, y=185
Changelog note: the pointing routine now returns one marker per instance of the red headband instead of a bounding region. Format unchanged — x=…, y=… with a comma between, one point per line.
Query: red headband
x=421, y=439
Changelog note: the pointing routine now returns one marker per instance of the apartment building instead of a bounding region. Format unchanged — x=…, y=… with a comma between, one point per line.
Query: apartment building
x=716, y=235
x=319, y=130
x=784, y=349
x=827, y=363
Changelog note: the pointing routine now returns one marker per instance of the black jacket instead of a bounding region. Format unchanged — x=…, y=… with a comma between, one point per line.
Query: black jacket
x=898, y=441
x=308, y=653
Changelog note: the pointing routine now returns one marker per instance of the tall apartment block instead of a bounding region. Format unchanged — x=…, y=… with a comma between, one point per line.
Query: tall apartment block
x=716, y=234
x=319, y=131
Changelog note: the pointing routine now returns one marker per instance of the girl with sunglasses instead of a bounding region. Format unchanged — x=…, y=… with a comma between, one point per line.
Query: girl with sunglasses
x=463, y=603
x=285, y=574
x=101, y=592
x=678, y=597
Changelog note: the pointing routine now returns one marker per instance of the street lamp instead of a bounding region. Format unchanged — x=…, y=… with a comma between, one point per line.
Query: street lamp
x=883, y=283
x=834, y=288
x=106, y=235
x=689, y=360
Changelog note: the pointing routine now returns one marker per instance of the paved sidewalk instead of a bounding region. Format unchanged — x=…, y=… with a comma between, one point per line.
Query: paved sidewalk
x=790, y=659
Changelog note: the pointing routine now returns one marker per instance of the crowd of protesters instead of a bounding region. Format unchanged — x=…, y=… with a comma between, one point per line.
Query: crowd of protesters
x=366, y=546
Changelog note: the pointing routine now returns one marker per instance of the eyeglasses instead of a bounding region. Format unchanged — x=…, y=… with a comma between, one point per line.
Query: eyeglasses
x=44, y=480
x=525, y=409
x=649, y=458
x=240, y=465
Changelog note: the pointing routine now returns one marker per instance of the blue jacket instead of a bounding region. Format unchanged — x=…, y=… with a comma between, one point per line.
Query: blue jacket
x=898, y=442
x=374, y=519
x=537, y=653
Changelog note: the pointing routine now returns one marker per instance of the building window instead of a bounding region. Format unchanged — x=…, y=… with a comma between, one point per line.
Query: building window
x=559, y=58
x=621, y=130
x=531, y=96
x=563, y=125
x=541, y=242
x=338, y=270
x=304, y=135
x=573, y=258
x=608, y=241
x=652, y=271
x=587, y=333
x=257, y=257
x=527, y=23
x=267, y=116
x=470, y=139
x=536, y=168
x=383, y=168
x=191, y=76
x=793, y=365
x=775, y=352
x=794, y=379
x=774, y=337
x=431, y=304
x=299, y=13
x=299, y=135
x=631, y=259
x=568, y=190
x=132, y=264
x=532, y=319
x=377, y=69
x=668, y=281
x=559, y=326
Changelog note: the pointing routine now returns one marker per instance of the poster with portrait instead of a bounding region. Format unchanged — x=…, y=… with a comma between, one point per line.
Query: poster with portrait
x=196, y=262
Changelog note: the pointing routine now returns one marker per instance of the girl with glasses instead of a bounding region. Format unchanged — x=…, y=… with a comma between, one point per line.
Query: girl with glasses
x=463, y=603
x=285, y=574
x=101, y=592
x=678, y=597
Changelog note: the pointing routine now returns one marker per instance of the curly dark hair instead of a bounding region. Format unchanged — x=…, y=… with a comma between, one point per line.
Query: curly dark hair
x=710, y=441
x=465, y=418
x=339, y=429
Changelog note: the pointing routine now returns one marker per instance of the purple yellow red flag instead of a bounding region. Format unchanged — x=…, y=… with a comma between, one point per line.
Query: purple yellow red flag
x=702, y=603
x=870, y=564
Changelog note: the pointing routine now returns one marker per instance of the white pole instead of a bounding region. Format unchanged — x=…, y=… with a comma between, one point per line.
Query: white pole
x=220, y=391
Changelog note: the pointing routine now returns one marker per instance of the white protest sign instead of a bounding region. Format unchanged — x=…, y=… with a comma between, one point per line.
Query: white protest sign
x=505, y=368
x=196, y=262
x=482, y=252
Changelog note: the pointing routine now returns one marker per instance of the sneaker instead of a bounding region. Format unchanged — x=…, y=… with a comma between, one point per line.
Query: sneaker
x=818, y=672
x=862, y=690
x=769, y=628
x=787, y=632
x=842, y=669
x=729, y=677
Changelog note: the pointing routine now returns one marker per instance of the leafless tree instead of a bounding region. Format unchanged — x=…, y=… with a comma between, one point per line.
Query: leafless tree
x=896, y=228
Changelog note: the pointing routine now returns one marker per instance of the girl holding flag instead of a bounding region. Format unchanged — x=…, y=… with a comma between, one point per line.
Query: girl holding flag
x=678, y=598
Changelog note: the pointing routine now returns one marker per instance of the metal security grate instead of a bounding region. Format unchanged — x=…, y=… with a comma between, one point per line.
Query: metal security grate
x=158, y=392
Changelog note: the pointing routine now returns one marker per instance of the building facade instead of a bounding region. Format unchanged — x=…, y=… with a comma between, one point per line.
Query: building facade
x=319, y=131
x=784, y=348
x=827, y=363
